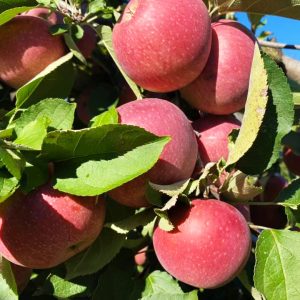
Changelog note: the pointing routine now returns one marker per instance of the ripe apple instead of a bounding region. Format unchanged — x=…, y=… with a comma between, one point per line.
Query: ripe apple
x=179, y=156
x=270, y=216
x=163, y=45
x=46, y=227
x=45, y=13
x=223, y=85
x=209, y=245
x=88, y=42
x=28, y=49
x=213, y=136
x=292, y=160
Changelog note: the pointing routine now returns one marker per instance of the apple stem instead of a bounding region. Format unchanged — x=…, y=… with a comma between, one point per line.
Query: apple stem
x=255, y=227
x=279, y=45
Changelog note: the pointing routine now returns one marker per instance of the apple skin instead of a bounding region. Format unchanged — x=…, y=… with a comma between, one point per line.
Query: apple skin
x=209, y=245
x=163, y=45
x=270, y=216
x=46, y=227
x=26, y=55
x=88, y=42
x=291, y=160
x=213, y=136
x=179, y=156
x=45, y=13
x=222, y=87
x=22, y=276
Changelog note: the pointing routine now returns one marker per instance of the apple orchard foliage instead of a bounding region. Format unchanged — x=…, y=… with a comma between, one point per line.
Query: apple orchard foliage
x=61, y=125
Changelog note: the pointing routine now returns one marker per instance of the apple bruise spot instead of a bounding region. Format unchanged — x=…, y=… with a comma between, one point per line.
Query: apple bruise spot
x=130, y=10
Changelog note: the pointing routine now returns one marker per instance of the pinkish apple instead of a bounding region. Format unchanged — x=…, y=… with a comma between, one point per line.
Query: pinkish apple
x=223, y=85
x=163, y=45
x=179, y=156
x=28, y=49
x=46, y=227
x=45, y=13
x=213, y=136
x=209, y=245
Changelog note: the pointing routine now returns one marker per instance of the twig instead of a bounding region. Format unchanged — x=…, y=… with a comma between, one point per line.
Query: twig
x=278, y=45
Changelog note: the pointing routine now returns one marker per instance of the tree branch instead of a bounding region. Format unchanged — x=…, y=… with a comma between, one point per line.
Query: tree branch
x=278, y=45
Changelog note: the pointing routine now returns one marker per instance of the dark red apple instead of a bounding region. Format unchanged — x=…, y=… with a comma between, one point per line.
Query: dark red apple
x=45, y=13
x=163, y=45
x=179, y=156
x=88, y=42
x=223, y=85
x=28, y=49
x=46, y=227
x=213, y=136
x=292, y=160
x=209, y=245
x=269, y=215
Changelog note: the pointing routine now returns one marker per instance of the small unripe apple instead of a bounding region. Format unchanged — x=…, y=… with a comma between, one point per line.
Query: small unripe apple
x=222, y=87
x=28, y=49
x=179, y=156
x=46, y=227
x=140, y=257
x=209, y=245
x=163, y=45
x=213, y=136
x=272, y=216
x=292, y=160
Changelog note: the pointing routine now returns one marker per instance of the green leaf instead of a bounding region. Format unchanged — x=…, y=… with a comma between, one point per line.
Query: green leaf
x=55, y=81
x=7, y=15
x=264, y=124
x=290, y=196
x=139, y=219
x=8, y=4
x=59, y=113
x=171, y=190
x=13, y=161
x=284, y=8
x=8, y=287
x=73, y=47
x=160, y=285
x=296, y=97
x=97, y=6
x=108, y=117
x=97, y=177
x=33, y=134
x=105, y=33
x=99, y=254
x=7, y=187
x=276, y=273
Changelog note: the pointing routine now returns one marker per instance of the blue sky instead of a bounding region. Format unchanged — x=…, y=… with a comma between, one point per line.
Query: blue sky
x=285, y=30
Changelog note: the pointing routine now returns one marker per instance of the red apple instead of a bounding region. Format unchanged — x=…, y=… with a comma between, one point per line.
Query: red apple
x=223, y=85
x=88, y=42
x=292, y=160
x=46, y=227
x=45, y=13
x=141, y=257
x=209, y=245
x=179, y=156
x=28, y=49
x=269, y=215
x=213, y=136
x=163, y=45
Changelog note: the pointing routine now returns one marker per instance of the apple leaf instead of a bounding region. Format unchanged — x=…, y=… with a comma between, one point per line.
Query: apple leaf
x=55, y=81
x=296, y=97
x=139, y=219
x=7, y=15
x=105, y=33
x=9, y=4
x=97, y=177
x=284, y=8
x=290, y=196
x=13, y=161
x=8, y=287
x=33, y=134
x=264, y=123
x=160, y=285
x=73, y=47
x=7, y=187
x=59, y=113
x=108, y=117
x=171, y=190
x=99, y=254
x=276, y=273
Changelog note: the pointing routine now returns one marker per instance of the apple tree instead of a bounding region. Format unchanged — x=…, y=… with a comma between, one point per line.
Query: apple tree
x=149, y=149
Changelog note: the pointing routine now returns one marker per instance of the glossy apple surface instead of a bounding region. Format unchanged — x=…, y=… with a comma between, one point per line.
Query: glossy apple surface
x=292, y=160
x=209, y=245
x=179, y=156
x=28, y=49
x=46, y=227
x=270, y=216
x=163, y=45
x=223, y=85
x=213, y=136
